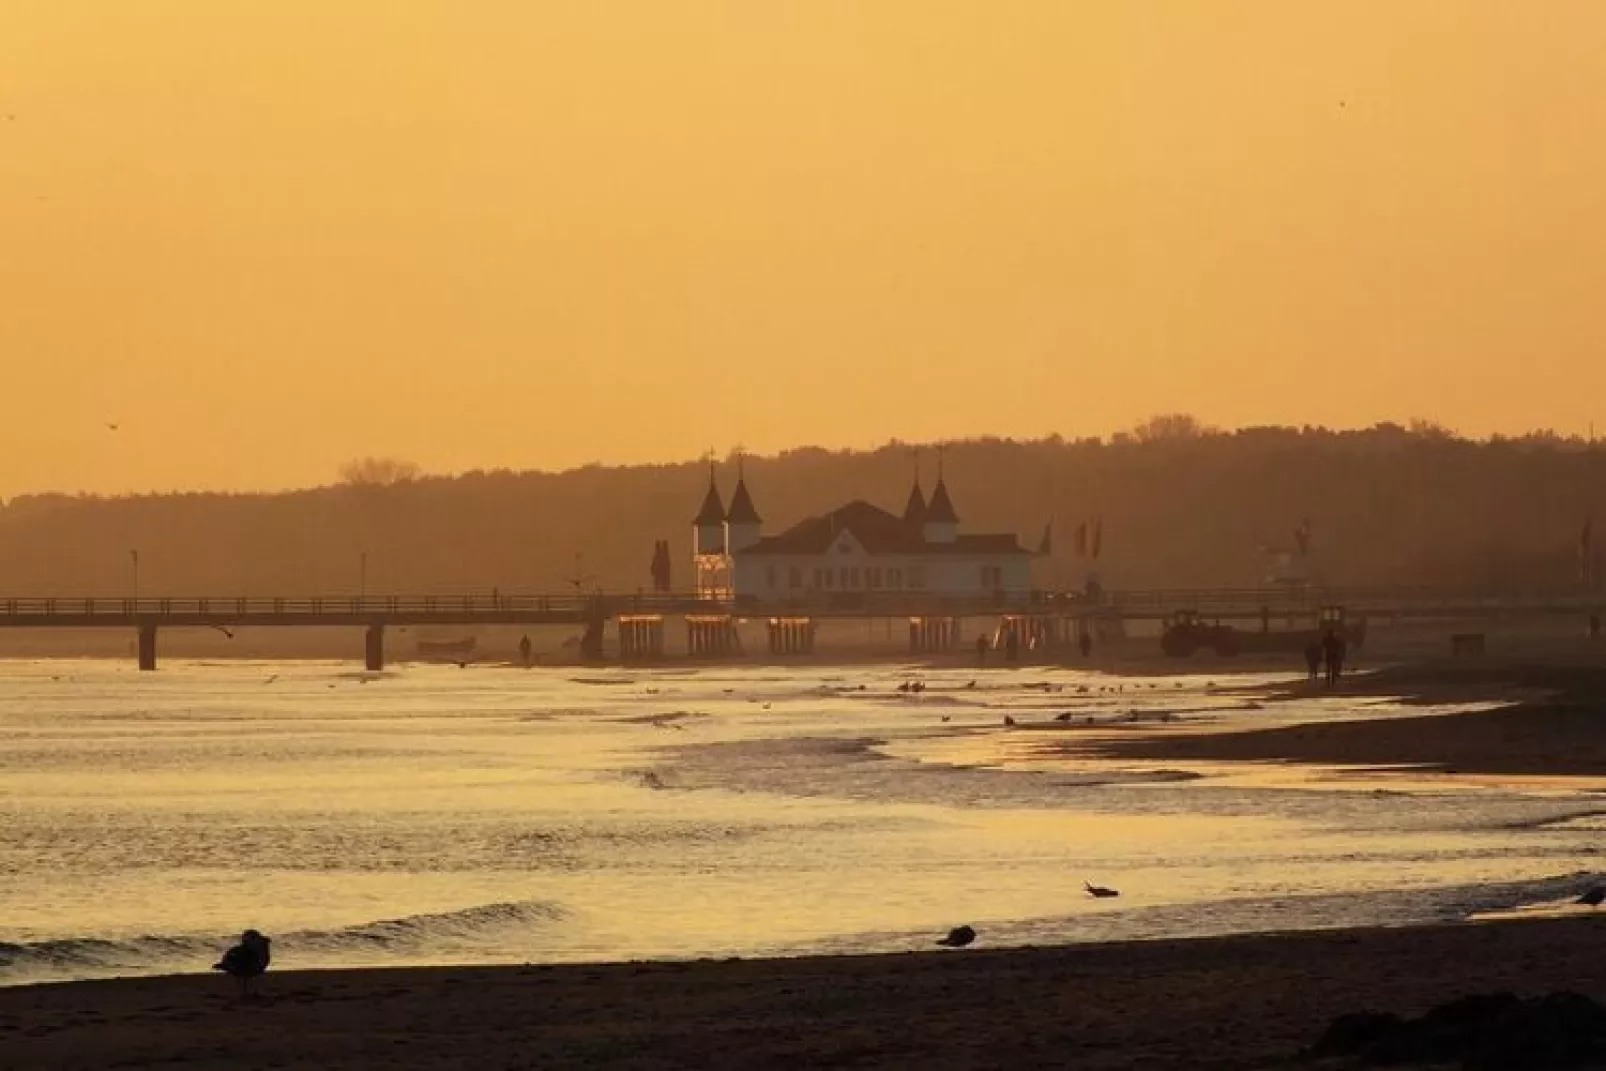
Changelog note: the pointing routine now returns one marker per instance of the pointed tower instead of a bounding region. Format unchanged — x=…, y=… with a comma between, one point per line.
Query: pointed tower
x=941, y=523
x=743, y=525
x=708, y=527
x=914, y=511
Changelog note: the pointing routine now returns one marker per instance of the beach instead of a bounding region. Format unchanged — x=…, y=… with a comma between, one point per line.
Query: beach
x=1551, y=725
x=1241, y=1000
x=1238, y=1002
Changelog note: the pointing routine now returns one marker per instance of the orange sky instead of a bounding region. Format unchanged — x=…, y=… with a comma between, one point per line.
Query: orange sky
x=266, y=236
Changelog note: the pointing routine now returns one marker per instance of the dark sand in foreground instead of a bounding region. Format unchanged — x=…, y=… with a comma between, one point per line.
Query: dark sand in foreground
x=1241, y=1003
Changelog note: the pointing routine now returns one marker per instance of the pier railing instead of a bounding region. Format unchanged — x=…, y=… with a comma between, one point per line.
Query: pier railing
x=581, y=606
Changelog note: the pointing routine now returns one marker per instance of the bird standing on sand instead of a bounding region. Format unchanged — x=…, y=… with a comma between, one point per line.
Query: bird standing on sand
x=1593, y=896
x=247, y=960
x=958, y=937
x=1100, y=892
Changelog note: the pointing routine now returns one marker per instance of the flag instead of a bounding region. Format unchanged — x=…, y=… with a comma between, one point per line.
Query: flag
x=1098, y=536
x=1081, y=540
x=1045, y=546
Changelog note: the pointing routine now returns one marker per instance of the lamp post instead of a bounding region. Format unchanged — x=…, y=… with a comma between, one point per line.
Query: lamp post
x=362, y=575
x=133, y=557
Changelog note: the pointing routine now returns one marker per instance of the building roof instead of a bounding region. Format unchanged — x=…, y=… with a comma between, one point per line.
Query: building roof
x=878, y=532
x=713, y=511
x=914, y=511
x=742, y=511
x=941, y=508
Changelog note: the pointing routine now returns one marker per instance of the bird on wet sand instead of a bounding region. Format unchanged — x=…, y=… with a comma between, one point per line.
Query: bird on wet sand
x=246, y=961
x=1593, y=896
x=958, y=937
x=1100, y=892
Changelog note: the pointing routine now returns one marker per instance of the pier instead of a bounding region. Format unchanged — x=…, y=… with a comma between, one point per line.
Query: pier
x=933, y=621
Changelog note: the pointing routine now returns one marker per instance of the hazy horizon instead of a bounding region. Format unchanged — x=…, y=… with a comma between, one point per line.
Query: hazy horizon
x=923, y=456
x=266, y=238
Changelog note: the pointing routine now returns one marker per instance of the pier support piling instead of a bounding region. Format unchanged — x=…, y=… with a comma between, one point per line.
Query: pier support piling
x=791, y=635
x=933, y=634
x=711, y=636
x=641, y=637
x=374, y=649
x=147, y=647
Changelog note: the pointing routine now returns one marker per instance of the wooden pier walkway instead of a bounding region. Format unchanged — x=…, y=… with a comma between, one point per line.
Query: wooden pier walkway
x=591, y=610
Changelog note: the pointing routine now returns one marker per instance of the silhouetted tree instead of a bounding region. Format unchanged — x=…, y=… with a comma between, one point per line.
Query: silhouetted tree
x=378, y=472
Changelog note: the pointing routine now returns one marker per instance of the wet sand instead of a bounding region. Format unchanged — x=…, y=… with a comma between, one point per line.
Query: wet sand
x=1555, y=726
x=1240, y=1003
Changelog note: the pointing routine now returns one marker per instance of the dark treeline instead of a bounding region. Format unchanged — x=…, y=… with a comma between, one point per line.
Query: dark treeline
x=1180, y=506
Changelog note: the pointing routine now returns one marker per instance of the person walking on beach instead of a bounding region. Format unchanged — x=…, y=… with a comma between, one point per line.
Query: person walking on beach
x=1313, y=658
x=1333, y=654
x=981, y=650
x=524, y=651
x=1085, y=643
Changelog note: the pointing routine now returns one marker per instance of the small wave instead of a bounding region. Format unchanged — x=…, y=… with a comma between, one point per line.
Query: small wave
x=403, y=936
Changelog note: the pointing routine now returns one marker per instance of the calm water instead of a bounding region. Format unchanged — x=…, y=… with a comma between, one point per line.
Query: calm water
x=436, y=815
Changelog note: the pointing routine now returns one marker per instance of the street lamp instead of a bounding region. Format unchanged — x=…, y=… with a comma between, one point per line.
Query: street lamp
x=362, y=575
x=133, y=557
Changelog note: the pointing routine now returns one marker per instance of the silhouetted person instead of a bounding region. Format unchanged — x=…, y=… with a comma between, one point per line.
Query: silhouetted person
x=1333, y=654
x=1012, y=647
x=247, y=960
x=1313, y=657
x=1085, y=644
x=981, y=649
x=524, y=651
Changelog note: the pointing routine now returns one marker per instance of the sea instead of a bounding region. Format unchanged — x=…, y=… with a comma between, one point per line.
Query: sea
x=498, y=815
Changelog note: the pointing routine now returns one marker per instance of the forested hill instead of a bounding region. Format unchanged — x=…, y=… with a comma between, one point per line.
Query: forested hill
x=1179, y=506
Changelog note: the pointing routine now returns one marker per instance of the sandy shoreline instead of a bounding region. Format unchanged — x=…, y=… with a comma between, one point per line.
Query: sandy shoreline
x=1555, y=725
x=1238, y=1002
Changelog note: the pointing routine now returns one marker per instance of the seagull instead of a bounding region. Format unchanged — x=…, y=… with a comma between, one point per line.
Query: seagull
x=1593, y=897
x=246, y=960
x=111, y=427
x=1100, y=892
x=958, y=937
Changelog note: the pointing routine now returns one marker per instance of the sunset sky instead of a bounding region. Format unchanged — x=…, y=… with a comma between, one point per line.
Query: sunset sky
x=266, y=236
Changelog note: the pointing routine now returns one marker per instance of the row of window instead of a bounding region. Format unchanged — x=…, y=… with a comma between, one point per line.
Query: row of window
x=849, y=578
x=869, y=578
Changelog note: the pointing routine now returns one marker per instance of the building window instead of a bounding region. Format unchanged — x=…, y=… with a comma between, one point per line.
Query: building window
x=917, y=576
x=894, y=578
x=794, y=577
x=769, y=577
x=825, y=579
